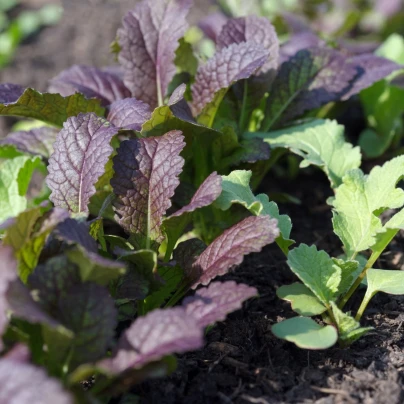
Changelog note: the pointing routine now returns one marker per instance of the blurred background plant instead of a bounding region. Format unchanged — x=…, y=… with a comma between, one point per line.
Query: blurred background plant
x=17, y=25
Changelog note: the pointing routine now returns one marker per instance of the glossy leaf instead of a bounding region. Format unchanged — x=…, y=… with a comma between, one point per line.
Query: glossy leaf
x=82, y=150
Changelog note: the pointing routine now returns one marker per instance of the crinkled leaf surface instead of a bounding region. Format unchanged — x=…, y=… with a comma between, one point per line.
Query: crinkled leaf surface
x=90, y=313
x=302, y=299
x=129, y=113
x=148, y=41
x=228, y=250
x=206, y=194
x=319, y=142
x=306, y=333
x=236, y=190
x=316, y=270
x=211, y=304
x=82, y=150
x=154, y=336
x=24, y=383
x=370, y=68
x=187, y=253
x=46, y=107
x=37, y=141
x=91, y=82
x=236, y=62
x=15, y=176
x=360, y=199
x=307, y=81
x=146, y=175
x=251, y=29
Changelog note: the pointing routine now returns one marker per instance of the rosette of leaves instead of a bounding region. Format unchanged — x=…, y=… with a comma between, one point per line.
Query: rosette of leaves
x=67, y=283
x=327, y=283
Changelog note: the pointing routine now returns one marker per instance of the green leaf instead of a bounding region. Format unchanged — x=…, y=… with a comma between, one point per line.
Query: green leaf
x=350, y=270
x=306, y=333
x=15, y=175
x=236, y=190
x=27, y=240
x=392, y=48
x=50, y=108
x=383, y=280
x=95, y=268
x=359, y=201
x=302, y=299
x=208, y=114
x=319, y=142
x=349, y=329
x=317, y=271
x=185, y=60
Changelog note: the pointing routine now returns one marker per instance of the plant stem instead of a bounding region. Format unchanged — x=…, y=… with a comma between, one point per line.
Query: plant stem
x=363, y=305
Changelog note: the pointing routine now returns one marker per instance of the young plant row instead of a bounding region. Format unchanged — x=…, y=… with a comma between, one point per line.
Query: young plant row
x=142, y=197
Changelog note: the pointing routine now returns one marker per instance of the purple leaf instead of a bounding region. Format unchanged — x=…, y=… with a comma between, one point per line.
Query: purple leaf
x=8, y=273
x=370, y=68
x=38, y=141
x=213, y=303
x=296, y=23
x=129, y=113
x=179, y=106
x=237, y=62
x=148, y=40
x=10, y=93
x=89, y=311
x=299, y=41
x=252, y=29
x=150, y=338
x=91, y=82
x=146, y=176
x=212, y=24
x=82, y=149
x=186, y=254
x=388, y=7
x=206, y=194
x=24, y=383
x=74, y=232
x=228, y=250
x=306, y=81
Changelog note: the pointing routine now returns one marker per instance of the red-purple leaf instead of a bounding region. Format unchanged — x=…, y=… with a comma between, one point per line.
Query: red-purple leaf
x=90, y=81
x=82, y=149
x=186, y=253
x=8, y=273
x=148, y=40
x=129, y=113
x=228, y=250
x=252, y=29
x=150, y=338
x=179, y=106
x=297, y=42
x=23, y=383
x=206, y=194
x=237, y=62
x=211, y=304
x=212, y=24
x=38, y=141
x=370, y=68
x=10, y=93
x=146, y=176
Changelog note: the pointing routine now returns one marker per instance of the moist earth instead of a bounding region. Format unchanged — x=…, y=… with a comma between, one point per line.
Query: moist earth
x=242, y=361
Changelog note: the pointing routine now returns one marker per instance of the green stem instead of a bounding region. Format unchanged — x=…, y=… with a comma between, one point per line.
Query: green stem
x=362, y=307
x=241, y=123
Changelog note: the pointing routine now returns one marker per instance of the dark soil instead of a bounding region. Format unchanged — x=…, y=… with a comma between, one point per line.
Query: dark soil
x=242, y=361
